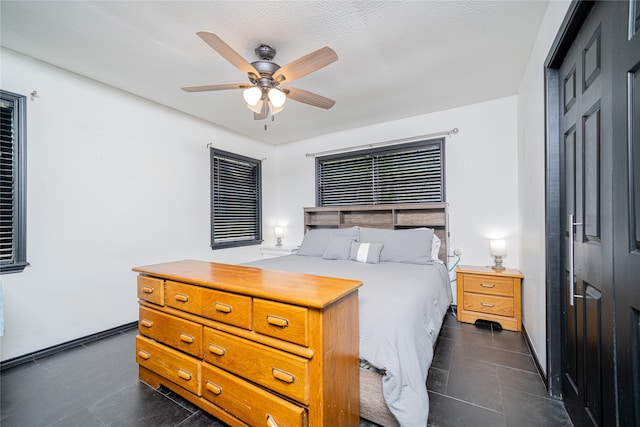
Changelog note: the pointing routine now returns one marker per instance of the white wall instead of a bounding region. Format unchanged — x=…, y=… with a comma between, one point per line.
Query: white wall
x=481, y=173
x=531, y=176
x=113, y=181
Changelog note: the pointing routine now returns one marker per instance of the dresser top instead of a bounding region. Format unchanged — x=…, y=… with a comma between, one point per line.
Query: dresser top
x=294, y=288
x=509, y=272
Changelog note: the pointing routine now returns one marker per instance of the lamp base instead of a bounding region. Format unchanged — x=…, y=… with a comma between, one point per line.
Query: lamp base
x=497, y=263
x=278, y=241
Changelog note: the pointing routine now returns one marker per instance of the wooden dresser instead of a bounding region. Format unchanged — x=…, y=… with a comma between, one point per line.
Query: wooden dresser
x=252, y=347
x=487, y=294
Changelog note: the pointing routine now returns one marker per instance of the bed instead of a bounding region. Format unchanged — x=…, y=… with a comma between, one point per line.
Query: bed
x=402, y=303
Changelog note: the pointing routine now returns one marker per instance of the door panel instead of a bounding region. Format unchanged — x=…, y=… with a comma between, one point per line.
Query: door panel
x=593, y=353
x=588, y=308
x=593, y=90
x=626, y=207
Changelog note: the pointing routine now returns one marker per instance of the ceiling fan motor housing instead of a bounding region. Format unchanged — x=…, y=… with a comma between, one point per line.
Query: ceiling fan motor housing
x=265, y=52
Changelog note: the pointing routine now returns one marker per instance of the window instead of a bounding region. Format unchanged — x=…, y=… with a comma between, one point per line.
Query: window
x=236, y=207
x=405, y=173
x=13, y=124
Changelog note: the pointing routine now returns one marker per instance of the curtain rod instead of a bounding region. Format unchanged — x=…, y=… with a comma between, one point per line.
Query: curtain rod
x=453, y=131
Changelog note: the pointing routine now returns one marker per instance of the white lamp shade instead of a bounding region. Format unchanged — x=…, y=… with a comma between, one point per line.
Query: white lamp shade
x=277, y=97
x=498, y=247
x=278, y=232
x=275, y=110
x=252, y=95
x=256, y=108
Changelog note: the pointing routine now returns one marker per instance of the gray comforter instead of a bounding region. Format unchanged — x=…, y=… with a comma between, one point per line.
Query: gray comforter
x=401, y=308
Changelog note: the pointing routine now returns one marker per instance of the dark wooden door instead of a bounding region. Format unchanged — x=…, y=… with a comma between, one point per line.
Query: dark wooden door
x=626, y=209
x=588, y=387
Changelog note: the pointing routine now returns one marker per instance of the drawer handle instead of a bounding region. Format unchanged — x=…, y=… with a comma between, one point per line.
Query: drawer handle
x=223, y=308
x=283, y=376
x=214, y=388
x=271, y=422
x=487, y=304
x=187, y=338
x=147, y=290
x=487, y=285
x=146, y=323
x=219, y=351
x=144, y=355
x=280, y=322
x=182, y=297
x=184, y=374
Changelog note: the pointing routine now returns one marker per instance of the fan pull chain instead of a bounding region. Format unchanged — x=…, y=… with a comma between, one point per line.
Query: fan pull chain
x=265, y=122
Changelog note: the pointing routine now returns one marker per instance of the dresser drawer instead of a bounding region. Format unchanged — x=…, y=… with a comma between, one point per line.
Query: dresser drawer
x=169, y=363
x=283, y=321
x=183, y=296
x=151, y=289
x=501, y=306
x=226, y=307
x=282, y=372
x=252, y=404
x=178, y=333
x=488, y=285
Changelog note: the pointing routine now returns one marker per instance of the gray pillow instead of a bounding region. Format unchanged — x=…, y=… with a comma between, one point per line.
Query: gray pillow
x=337, y=248
x=365, y=252
x=315, y=241
x=411, y=246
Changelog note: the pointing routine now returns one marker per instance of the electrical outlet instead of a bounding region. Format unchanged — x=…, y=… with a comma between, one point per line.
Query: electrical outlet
x=457, y=252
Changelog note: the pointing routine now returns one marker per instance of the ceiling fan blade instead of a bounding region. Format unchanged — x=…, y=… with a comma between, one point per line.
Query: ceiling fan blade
x=227, y=52
x=307, y=97
x=263, y=113
x=208, y=88
x=306, y=64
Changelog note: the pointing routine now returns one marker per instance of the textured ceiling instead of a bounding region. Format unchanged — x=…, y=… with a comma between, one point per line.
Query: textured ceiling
x=396, y=59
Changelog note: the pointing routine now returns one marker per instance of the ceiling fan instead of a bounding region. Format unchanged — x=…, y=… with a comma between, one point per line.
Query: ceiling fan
x=264, y=95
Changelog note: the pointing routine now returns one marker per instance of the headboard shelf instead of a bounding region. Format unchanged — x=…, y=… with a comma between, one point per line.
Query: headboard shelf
x=393, y=217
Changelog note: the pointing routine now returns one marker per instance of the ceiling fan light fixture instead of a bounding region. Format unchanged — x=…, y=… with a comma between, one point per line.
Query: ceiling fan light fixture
x=277, y=97
x=252, y=96
x=274, y=110
x=257, y=108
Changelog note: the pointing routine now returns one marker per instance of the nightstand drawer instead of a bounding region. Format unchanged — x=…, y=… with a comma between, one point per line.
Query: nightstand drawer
x=283, y=321
x=226, y=307
x=488, y=285
x=250, y=403
x=151, y=289
x=501, y=306
x=173, y=331
x=171, y=364
x=282, y=372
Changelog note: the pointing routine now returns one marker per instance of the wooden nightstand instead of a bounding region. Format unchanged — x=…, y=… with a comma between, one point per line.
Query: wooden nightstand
x=487, y=294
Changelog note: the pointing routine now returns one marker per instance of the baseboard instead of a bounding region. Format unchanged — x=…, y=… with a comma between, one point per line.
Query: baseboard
x=535, y=357
x=16, y=361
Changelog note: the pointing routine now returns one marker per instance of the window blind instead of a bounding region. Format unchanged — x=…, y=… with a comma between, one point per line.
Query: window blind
x=235, y=200
x=12, y=183
x=406, y=173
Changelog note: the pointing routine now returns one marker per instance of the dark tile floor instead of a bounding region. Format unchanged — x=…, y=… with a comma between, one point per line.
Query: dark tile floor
x=479, y=377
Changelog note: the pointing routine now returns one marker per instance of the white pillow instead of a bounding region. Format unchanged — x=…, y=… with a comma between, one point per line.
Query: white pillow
x=435, y=248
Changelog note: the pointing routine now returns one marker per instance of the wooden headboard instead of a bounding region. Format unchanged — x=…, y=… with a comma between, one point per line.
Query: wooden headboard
x=393, y=217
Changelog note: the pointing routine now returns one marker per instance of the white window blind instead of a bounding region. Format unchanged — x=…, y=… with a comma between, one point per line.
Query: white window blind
x=12, y=182
x=406, y=173
x=235, y=200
